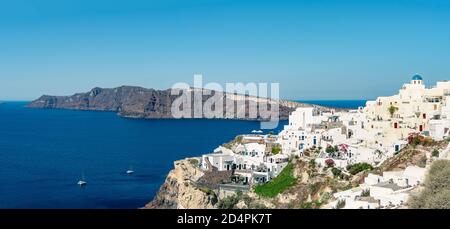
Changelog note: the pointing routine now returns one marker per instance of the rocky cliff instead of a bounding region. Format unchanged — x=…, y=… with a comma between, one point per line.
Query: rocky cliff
x=179, y=191
x=185, y=188
x=138, y=102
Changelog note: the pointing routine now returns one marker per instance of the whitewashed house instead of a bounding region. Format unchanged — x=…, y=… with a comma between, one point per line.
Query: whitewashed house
x=389, y=194
x=222, y=159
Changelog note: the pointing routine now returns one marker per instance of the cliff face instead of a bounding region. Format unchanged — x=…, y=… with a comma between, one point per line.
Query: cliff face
x=138, y=102
x=185, y=188
x=127, y=101
x=179, y=190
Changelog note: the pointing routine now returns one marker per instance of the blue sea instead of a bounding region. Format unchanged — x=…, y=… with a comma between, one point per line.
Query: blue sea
x=346, y=104
x=43, y=154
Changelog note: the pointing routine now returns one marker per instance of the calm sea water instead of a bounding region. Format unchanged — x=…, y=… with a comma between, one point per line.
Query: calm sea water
x=347, y=104
x=43, y=154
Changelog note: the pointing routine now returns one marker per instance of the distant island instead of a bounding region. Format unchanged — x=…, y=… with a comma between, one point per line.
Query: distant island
x=139, y=102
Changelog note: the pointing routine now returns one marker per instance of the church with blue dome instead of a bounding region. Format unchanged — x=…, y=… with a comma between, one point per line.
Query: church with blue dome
x=417, y=79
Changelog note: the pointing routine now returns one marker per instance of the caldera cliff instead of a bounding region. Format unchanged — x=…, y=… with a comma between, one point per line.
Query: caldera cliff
x=138, y=102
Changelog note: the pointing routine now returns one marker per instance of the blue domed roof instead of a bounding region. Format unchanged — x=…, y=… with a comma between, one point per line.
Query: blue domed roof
x=417, y=77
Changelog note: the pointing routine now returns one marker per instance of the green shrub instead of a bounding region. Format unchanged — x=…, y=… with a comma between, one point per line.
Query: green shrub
x=340, y=204
x=207, y=191
x=358, y=167
x=306, y=205
x=348, y=187
x=416, y=141
x=312, y=163
x=435, y=153
x=392, y=110
x=311, y=205
x=280, y=183
x=326, y=197
x=314, y=188
x=230, y=202
x=331, y=149
x=365, y=193
x=336, y=172
x=276, y=150
x=193, y=161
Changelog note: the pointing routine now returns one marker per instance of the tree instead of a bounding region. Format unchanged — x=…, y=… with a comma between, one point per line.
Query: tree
x=336, y=172
x=331, y=150
x=312, y=163
x=392, y=110
x=276, y=150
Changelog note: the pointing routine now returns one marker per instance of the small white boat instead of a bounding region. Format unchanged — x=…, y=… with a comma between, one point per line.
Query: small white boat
x=257, y=132
x=130, y=171
x=82, y=182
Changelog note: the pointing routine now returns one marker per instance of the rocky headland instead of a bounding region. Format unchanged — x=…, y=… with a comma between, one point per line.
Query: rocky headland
x=180, y=190
x=138, y=102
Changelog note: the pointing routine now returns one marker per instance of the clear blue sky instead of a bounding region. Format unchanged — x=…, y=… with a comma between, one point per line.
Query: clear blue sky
x=315, y=49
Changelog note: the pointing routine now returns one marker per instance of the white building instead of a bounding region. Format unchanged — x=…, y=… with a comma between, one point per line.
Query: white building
x=353, y=199
x=392, y=189
x=251, y=161
x=373, y=133
x=389, y=194
x=222, y=159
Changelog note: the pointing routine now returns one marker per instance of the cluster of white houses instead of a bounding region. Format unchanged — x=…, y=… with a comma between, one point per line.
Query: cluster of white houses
x=368, y=134
x=253, y=159
x=388, y=191
x=372, y=133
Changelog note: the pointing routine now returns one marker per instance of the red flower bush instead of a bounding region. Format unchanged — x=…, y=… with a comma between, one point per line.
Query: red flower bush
x=330, y=163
